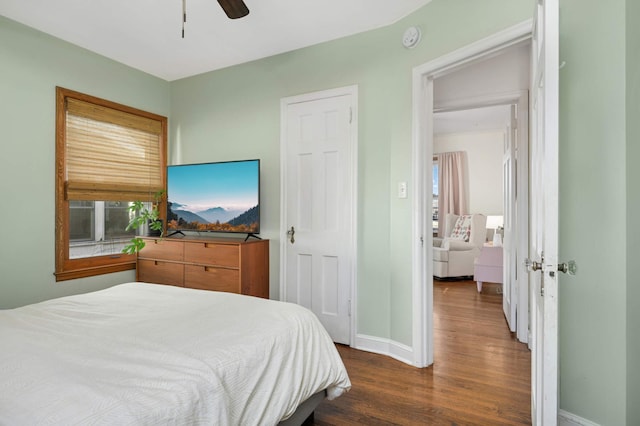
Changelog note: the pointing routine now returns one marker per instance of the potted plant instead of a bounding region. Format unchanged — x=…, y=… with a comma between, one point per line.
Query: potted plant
x=143, y=216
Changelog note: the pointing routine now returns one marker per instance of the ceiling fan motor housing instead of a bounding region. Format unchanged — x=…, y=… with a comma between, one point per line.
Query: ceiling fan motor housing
x=234, y=8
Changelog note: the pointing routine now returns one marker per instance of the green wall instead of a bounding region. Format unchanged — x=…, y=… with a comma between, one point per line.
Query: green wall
x=633, y=208
x=32, y=64
x=592, y=305
x=234, y=113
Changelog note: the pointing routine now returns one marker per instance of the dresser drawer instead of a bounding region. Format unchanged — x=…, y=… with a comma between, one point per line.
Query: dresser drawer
x=163, y=249
x=212, y=254
x=211, y=278
x=234, y=266
x=159, y=272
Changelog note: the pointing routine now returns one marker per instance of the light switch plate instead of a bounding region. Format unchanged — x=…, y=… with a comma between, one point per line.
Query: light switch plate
x=402, y=190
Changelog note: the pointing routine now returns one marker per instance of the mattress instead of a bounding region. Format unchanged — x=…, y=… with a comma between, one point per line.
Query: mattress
x=148, y=354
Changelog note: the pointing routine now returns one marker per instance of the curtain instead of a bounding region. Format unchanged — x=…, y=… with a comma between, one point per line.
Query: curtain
x=452, y=191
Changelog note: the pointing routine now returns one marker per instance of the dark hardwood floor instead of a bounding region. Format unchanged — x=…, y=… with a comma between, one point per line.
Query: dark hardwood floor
x=481, y=374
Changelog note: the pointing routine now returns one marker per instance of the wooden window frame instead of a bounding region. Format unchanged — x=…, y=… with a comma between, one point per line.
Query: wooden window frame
x=66, y=268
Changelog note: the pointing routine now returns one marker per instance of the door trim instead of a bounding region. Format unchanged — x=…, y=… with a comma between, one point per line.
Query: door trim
x=422, y=147
x=352, y=161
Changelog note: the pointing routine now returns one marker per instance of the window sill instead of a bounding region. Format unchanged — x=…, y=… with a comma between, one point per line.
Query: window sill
x=94, y=271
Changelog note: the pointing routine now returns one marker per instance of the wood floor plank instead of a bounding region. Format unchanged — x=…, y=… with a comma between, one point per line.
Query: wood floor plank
x=481, y=374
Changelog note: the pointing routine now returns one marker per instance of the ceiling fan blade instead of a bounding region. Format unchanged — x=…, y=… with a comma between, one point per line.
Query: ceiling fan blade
x=234, y=8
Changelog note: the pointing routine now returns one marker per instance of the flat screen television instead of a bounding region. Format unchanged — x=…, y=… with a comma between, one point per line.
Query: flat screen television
x=214, y=197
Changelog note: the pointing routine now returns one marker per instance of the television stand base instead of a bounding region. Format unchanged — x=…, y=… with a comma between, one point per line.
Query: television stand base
x=249, y=235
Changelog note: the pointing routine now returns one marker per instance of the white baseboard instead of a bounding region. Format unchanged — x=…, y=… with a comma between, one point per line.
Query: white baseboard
x=568, y=419
x=386, y=347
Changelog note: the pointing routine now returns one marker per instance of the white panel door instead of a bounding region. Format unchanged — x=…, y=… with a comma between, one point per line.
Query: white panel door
x=318, y=209
x=509, y=282
x=544, y=216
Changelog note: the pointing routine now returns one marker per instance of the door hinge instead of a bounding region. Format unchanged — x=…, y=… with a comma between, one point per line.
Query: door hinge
x=350, y=115
x=349, y=307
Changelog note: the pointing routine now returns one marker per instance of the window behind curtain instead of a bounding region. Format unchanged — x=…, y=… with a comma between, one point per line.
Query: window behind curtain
x=434, y=206
x=107, y=156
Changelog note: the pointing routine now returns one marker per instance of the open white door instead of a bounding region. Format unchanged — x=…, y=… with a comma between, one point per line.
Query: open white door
x=318, y=183
x=543, y=253
x=509, y=282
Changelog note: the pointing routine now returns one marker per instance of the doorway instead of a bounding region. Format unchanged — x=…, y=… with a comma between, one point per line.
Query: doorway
x=427, y=101
x=493, y=132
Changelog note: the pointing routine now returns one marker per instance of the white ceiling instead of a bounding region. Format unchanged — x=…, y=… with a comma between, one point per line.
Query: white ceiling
x=146, y=34
x=472, y=120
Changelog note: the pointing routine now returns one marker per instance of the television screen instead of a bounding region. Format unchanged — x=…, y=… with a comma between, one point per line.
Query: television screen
x=218, y=197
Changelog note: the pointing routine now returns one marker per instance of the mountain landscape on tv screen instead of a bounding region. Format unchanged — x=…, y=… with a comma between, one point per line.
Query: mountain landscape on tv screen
x=213, y=219
x=220, y=214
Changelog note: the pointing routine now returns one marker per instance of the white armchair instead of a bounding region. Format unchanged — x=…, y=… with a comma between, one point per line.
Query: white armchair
x=453, y=255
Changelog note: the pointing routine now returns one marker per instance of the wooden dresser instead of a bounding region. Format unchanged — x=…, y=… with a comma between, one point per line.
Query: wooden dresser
x=223, y=264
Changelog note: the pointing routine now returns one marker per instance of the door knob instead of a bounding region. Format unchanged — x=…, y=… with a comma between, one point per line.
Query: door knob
x=290, y=233
x=569, y=267
x=532, y=265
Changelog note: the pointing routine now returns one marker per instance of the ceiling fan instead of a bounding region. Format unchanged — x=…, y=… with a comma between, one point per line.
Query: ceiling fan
x=234, y=8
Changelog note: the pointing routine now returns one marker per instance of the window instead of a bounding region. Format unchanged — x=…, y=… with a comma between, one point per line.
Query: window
x=98, y=228
x=107, y=156
x=434, y=206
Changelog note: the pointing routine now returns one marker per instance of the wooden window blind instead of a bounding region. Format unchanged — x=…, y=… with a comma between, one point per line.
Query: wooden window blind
x=107, y=152
x=111, y=154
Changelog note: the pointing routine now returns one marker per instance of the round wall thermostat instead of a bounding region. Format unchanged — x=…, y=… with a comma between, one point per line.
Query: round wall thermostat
x=411, y=37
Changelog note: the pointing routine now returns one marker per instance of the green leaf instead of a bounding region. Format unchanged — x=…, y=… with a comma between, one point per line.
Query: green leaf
x=135, y=245
x=136, y=206
x=142, y=216
x=136, y=222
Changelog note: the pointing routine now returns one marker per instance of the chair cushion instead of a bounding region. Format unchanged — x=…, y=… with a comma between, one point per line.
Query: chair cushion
x=462, y=228
x=440, y=255
x=452, y=244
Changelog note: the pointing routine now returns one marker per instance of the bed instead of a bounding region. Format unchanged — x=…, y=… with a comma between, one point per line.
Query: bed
x=148, y=354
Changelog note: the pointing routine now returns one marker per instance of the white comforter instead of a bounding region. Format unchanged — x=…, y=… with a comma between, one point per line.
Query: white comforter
x=153, y=355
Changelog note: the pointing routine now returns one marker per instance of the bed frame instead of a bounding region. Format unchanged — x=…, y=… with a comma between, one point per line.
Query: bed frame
x=304, y=410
